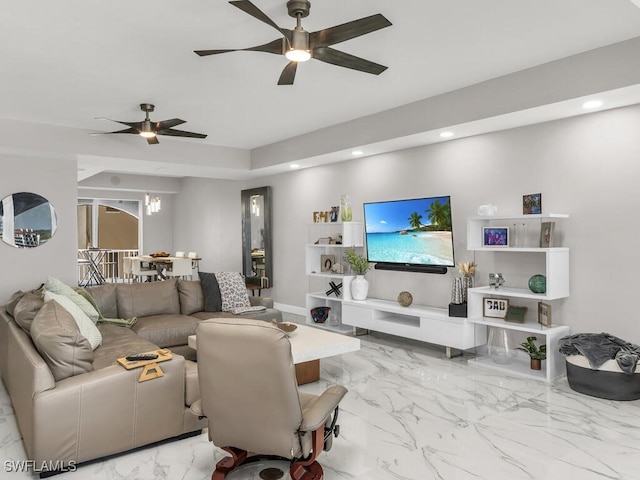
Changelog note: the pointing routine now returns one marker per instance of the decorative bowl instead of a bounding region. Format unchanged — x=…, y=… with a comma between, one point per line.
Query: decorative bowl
x=160, y=255
x=287, y=327
x=320, y=314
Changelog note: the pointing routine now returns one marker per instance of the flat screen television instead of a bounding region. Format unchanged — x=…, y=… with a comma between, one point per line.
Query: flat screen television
x=411, y=235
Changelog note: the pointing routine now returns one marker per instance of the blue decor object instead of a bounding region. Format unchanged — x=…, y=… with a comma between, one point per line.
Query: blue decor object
x=538, y=284
x=320, y=314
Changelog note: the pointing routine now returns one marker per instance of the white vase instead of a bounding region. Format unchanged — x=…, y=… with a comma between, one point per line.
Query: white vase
x=359, y=288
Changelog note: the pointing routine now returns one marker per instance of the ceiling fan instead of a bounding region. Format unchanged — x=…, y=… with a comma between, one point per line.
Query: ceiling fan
x=298, y=45
x=150, y=130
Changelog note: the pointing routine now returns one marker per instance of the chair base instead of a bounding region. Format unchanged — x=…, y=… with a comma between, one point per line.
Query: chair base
x=301, y=469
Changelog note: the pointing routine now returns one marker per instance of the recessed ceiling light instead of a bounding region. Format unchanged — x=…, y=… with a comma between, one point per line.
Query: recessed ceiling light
x=592, y=104
x=294, y=165
x=356, y=153
x=446, y=134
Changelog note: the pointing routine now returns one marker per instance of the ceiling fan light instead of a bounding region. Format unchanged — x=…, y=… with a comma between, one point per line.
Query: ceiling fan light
x=298, y=55
x=148, y=134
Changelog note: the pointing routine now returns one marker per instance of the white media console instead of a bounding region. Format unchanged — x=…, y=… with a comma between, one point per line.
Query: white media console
x=426, y=324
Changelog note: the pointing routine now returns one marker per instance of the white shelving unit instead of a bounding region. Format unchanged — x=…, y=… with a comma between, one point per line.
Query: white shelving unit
x=556, y=264
x=352, y=234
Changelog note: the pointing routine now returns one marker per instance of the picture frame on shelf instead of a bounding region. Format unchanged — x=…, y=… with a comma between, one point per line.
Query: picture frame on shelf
x=495, y=307
x=495, y=237
x=334, y=214
x=515, y=314
x=532, y=204
x=544, y=314
x=546, y=234
x=327, y=262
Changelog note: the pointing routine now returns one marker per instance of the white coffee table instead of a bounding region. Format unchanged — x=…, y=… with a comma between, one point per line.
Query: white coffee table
x=308, y=346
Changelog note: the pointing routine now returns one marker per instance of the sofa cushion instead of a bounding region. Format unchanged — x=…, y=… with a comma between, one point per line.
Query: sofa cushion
x=232, y=290
x=58, y=287
x=191, y=297
x=27, y=308
x=118, y=342
x=211, y=292
x=105, y=298
x=86, y=326
x=166, y=330
x=59, y=341
x=145, y=299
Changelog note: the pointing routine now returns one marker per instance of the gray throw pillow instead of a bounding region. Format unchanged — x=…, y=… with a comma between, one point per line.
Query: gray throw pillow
x=211, y=292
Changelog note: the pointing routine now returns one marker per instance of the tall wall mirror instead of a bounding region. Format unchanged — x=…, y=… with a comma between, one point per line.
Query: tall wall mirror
x=27, y=220
x=257, y=260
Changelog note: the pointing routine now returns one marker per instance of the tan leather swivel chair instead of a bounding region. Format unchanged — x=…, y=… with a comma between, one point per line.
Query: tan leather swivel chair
x=250, y=397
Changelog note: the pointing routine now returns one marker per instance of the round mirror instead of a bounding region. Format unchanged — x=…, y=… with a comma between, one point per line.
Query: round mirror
x=27, y=220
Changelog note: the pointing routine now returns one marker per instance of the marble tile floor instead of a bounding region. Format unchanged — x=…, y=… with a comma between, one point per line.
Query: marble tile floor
x=412, y=414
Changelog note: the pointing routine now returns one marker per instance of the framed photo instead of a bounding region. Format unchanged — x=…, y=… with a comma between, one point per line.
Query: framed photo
x=495, y=236
x=494, y=307
x=546, y=234
x=326, y=262
x=515, y=314
x=544, y=314
x=532, y=204
x=334, y=213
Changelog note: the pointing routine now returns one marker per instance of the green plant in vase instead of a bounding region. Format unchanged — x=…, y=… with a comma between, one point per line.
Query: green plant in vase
x=359, y=263
x=536, y=354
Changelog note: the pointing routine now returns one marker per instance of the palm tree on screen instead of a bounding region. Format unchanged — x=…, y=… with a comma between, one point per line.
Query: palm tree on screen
x=414, y=220
x=440, y=214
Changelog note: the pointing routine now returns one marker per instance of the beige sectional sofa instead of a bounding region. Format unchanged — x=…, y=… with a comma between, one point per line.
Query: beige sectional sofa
x=74, y=404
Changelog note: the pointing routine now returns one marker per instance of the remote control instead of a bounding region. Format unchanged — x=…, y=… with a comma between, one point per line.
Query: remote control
x=141, y=356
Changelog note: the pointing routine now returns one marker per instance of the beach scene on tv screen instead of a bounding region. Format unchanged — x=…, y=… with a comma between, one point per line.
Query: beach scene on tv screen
x=410, y=231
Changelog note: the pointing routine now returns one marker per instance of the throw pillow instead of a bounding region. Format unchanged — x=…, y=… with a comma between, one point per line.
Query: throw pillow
x=27, y=309
x=87, y=328
x=57, y=338
x=211, y=292
x=232, y=290
x=191, y=297
x=56, y=286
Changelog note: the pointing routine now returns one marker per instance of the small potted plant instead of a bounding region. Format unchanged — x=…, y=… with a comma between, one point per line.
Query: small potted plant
x=359, y=265
x=537, y=354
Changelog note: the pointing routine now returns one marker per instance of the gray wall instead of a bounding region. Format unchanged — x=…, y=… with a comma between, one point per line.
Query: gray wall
x=586, y=166
x=208, y=222
x=54, y=179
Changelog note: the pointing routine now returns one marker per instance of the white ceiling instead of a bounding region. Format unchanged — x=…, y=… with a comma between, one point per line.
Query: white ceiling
x=66, y=62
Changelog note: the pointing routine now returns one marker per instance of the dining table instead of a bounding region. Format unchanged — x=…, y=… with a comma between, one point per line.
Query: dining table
x=161, y=263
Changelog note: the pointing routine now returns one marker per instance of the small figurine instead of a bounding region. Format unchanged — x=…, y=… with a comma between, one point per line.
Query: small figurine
x=496, y=280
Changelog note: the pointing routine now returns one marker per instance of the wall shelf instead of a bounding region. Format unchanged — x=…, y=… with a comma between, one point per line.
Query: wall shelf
x=557, y=281
x=352, y=234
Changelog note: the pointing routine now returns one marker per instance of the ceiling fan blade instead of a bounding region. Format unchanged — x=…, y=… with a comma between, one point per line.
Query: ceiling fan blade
x=180, y=133
x=129, y=124
x=341, y=59
x=288, y=75
x=271, y=47
x=248, y=7
x=164, y=124
x=152, y=140
x=347, y=31
x=126, y=130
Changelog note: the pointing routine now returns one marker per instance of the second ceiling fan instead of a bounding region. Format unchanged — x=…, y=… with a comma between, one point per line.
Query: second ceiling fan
x=298, y=45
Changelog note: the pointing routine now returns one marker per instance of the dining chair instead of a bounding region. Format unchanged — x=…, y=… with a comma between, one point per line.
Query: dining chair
x=180, y=267
x=127, y=269
x=139, y=272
